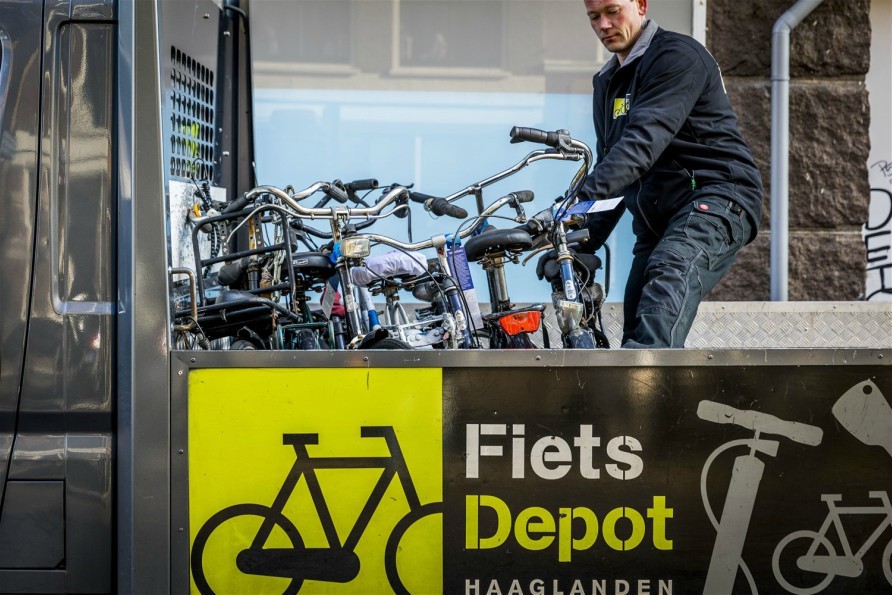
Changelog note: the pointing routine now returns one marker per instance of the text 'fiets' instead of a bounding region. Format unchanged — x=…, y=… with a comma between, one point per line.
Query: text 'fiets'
x=550, y=457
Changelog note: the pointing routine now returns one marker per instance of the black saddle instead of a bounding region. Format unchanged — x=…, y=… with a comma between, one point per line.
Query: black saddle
x=496, y=242
x=228, y=296
x=313, y=264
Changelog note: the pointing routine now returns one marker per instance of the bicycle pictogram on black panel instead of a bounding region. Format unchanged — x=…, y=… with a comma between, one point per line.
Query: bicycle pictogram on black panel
x=338, y=562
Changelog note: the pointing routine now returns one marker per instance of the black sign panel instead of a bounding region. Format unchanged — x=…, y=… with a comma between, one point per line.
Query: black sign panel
x=571, y=481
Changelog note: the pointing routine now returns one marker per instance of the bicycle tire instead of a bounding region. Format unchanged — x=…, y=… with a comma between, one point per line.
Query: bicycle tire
x=389, y=343
x=242, y=345
x=307, y=340
x=482, y=338
x=231, y=512
x=393, y=542
x=775, y=562
x=601, y=340
x=580, y=340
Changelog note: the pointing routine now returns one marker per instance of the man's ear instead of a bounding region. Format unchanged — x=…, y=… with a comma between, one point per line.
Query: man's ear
x=642, y=6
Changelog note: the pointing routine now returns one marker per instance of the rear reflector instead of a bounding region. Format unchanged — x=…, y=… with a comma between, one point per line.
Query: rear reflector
x=521, y=322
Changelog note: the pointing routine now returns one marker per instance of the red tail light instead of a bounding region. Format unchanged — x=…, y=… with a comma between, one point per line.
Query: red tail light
x=521, y=322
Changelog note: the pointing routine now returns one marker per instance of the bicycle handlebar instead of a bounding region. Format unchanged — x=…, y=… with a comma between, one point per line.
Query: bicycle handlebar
x=519, y=134
x=367, y=184
x=579, y=236
x=440, y=206
x=441, y=240
x=328, y=213
x=522, y=196
x=565, y=149
x=760, y=422
x=437, y=205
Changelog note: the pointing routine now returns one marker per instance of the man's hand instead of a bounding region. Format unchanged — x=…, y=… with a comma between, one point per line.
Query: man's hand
x=584, y=265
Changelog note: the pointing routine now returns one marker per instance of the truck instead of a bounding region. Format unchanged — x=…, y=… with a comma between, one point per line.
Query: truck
x=125, y=460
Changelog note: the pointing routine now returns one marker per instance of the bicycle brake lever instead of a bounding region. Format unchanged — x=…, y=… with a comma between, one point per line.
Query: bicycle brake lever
x=548, y=246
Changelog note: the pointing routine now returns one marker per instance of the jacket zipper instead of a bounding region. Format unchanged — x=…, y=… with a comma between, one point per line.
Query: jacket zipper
x=690, y=174
x=609, y=121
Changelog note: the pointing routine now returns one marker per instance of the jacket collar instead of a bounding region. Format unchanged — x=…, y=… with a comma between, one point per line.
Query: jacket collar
x=648, y=30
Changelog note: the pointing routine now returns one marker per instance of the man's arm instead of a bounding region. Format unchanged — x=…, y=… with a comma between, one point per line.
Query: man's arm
x=669, y=90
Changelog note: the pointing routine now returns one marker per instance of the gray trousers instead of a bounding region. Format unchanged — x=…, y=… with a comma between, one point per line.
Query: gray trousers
x=672, y=272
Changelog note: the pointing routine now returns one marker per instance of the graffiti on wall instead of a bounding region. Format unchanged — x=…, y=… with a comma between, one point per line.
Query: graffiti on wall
x=877, y=233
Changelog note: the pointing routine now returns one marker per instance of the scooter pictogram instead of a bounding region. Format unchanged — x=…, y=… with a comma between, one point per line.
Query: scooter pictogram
x=745, y=478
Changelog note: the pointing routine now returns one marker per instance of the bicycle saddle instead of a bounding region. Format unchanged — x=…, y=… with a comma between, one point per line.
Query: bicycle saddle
x=233, y=295
x=313, y=264
x=497, y=242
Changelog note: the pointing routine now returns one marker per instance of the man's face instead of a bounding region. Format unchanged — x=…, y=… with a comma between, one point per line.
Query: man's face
x=617, y=23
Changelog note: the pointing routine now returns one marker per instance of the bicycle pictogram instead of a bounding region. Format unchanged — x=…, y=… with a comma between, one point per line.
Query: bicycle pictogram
x=338, y=562
x=865, y=413
x=820, y=558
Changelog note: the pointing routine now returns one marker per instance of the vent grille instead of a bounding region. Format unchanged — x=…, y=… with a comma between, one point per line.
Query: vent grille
x=192, y=117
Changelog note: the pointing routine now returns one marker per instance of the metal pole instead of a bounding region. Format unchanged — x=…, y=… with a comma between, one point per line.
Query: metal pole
x=780, y=144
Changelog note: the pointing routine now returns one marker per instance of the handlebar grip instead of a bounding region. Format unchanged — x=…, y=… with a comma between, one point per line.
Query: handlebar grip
x=441, y=206
x=420, y=197
x=367, y=184
x=760, y=422
x=522, y=196
x=534, y=135
x=578, y=236
x=236, y=205
x=337, y=193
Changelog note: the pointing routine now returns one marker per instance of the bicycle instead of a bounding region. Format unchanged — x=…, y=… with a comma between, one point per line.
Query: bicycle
x=241, y=300
x=347, y=247
x=575, y=304
x=338, y=562
x=448, y=286
x=743, y=487
x=829, y=564
x=865, y=413
x=493, y=247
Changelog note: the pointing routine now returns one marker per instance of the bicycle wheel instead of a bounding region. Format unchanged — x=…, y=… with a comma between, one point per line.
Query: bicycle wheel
x=811, y=537
x=233, y=540
x=887, y=562
x=579, y=339
x=483, y=338
x=394, y=546
x=242, y=345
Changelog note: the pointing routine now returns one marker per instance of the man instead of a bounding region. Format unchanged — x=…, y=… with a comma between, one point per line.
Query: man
x=668, y=143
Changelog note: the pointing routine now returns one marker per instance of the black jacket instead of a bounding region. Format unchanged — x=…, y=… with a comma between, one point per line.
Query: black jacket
x=666, y=135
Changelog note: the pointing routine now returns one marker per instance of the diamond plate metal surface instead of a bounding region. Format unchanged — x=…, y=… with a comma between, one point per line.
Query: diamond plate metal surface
x=767, y=325
x=761, y=325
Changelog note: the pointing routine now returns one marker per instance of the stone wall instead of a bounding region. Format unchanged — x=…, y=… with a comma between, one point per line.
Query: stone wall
x=829, y=141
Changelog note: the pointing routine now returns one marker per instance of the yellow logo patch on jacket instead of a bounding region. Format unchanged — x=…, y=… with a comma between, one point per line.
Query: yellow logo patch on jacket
x=621, y=106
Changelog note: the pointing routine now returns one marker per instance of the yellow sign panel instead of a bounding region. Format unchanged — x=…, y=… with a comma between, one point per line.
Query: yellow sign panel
x=315, y=480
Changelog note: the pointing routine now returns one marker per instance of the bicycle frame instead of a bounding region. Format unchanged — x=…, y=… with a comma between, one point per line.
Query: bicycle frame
x=849, y=564
x=337, y=562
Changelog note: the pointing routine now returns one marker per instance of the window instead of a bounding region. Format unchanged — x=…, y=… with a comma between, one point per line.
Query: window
x=433, y=33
